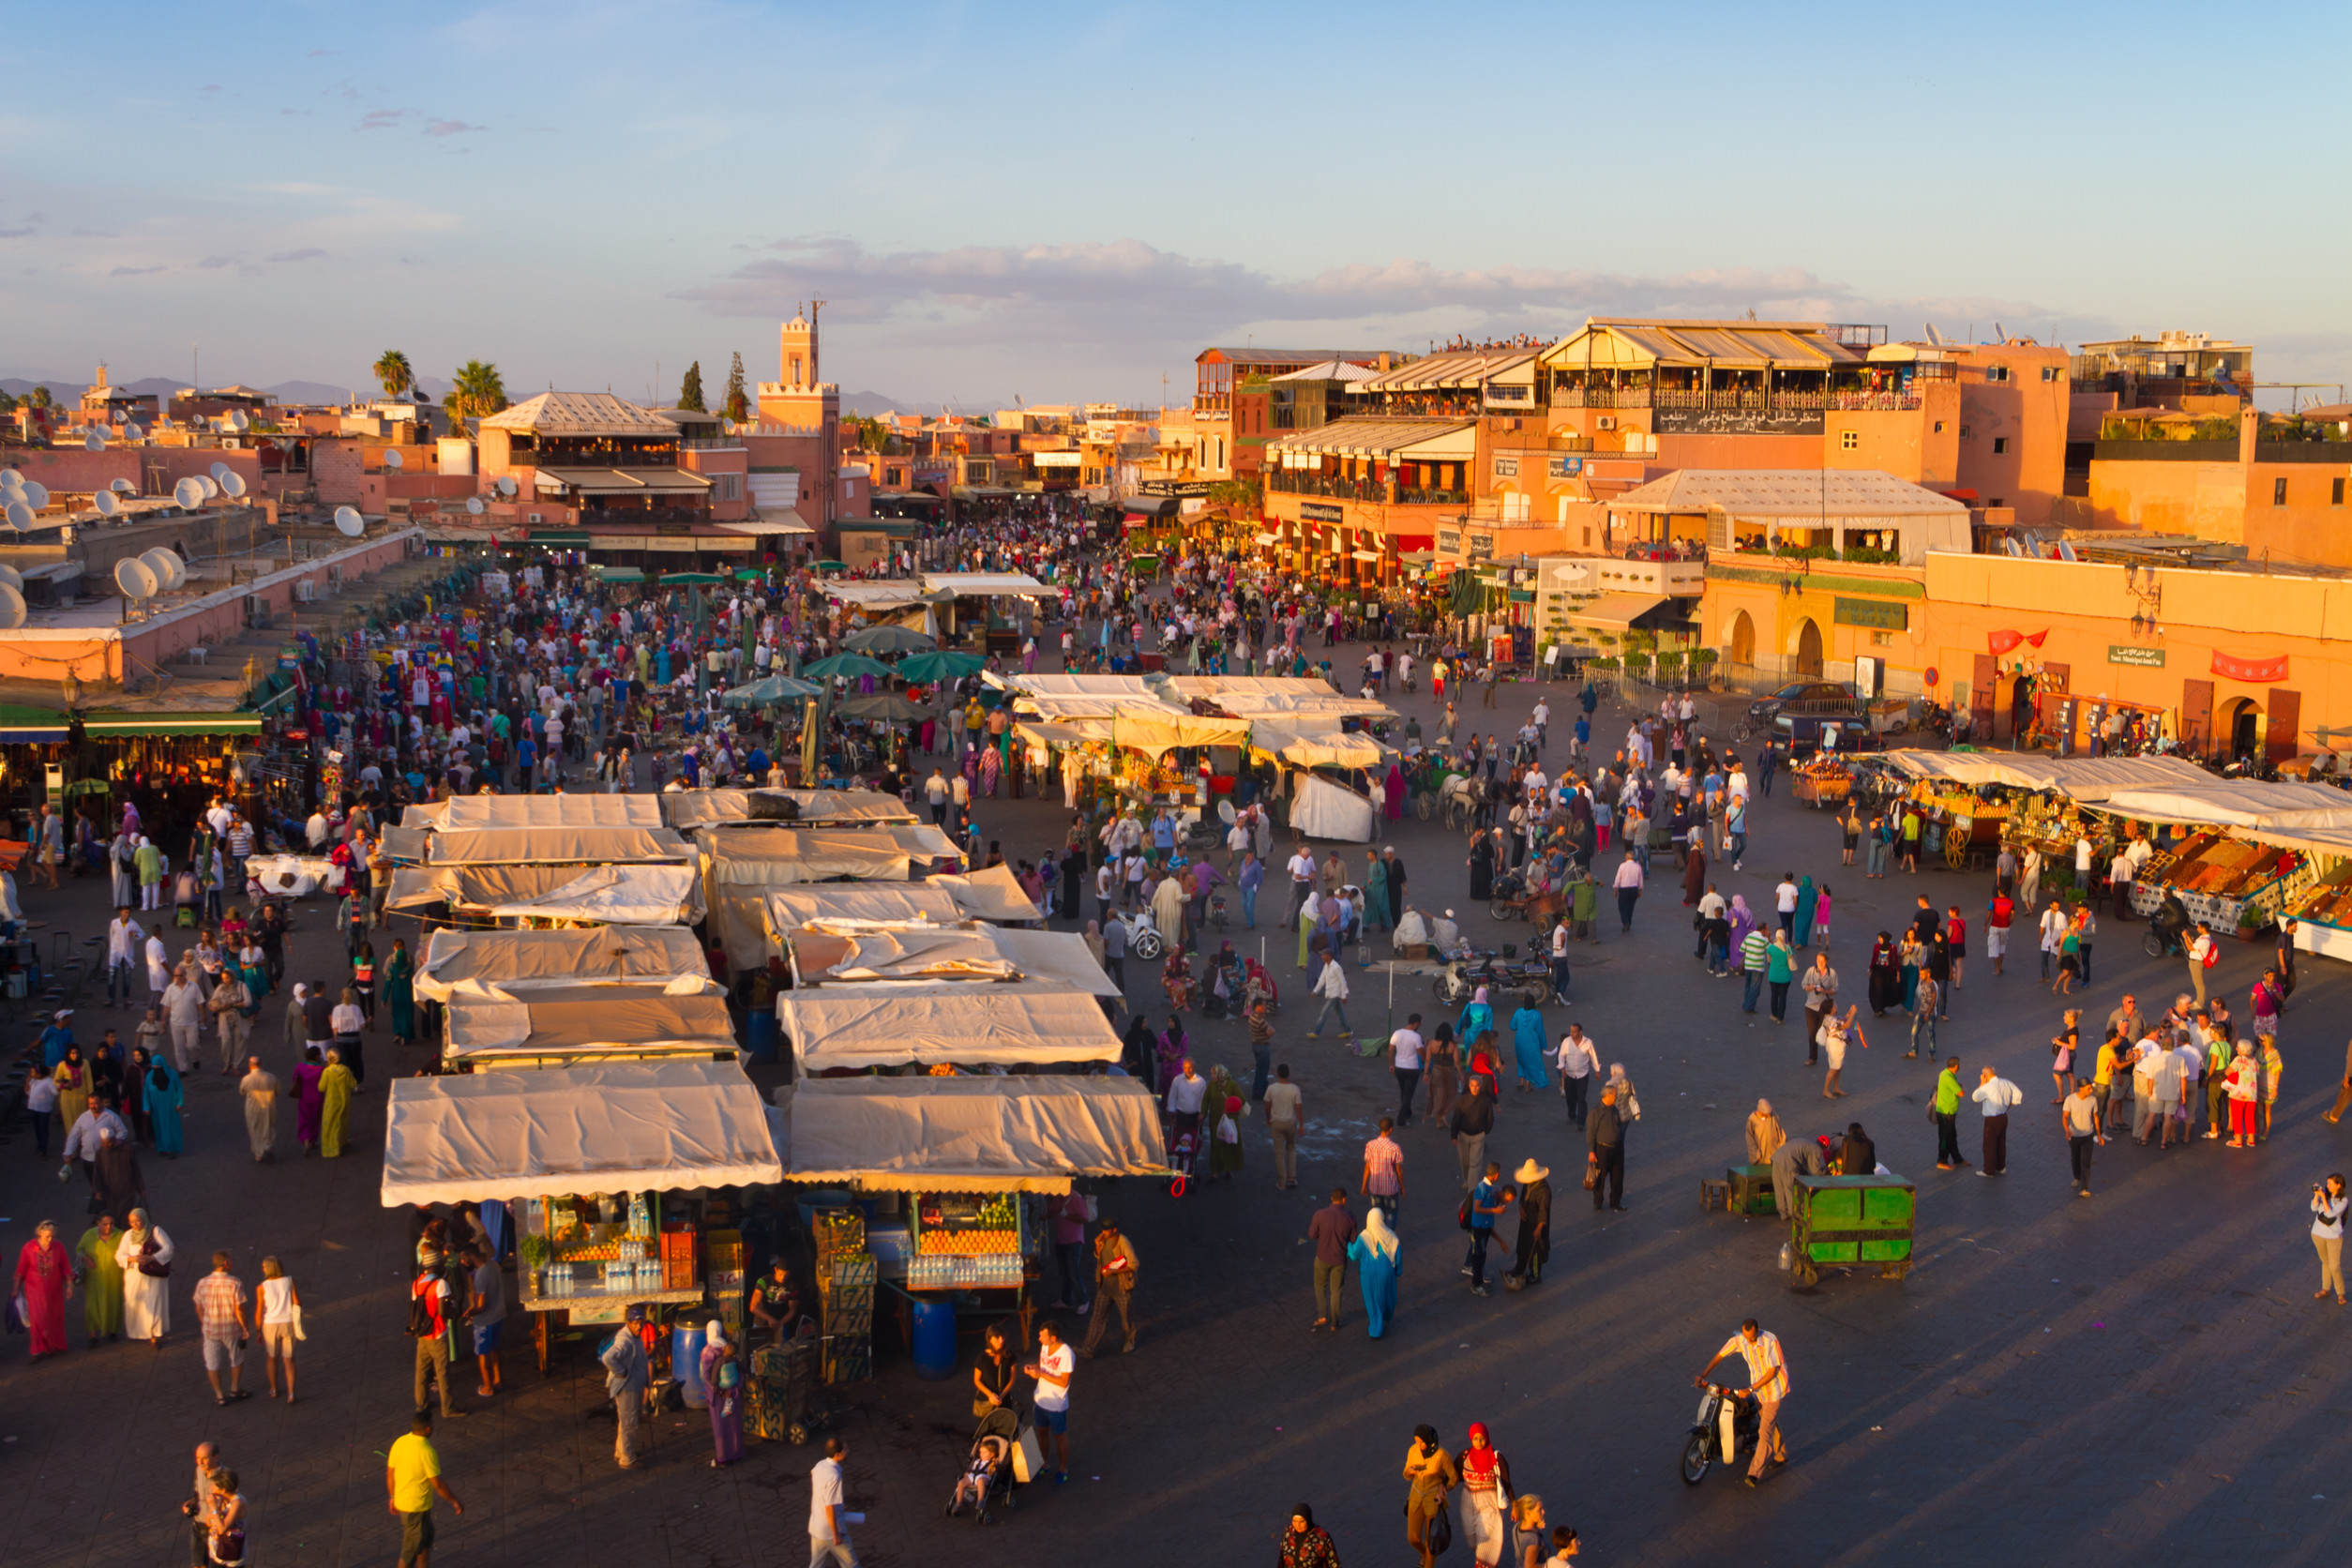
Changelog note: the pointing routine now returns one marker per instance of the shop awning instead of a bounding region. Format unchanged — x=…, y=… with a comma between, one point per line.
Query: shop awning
x=638, y=895
x=31, y=726
x=598, y=1019
x=1615, y=612
x=617, y=574
x=790, y=909
x=529, y=959
x=2237, y=803
x=475, y=887
x=2087, y=779
x=1027, y=1023
x=408, y=845
x=624, y=481
x=618, y=1126
x=568, y=538
x=970, y=1134
x=980, y=585
x=994, y=894
x=122, y=723
x=768, y=527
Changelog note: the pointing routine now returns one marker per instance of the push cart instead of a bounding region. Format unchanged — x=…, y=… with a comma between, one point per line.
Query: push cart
x=1850, y=1221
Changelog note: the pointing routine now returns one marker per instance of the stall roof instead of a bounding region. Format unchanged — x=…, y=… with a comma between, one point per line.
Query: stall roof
x=982, y=585
x=873, y=595
x=562, y=957
x=2088, y=779
x=464, y=812
x=1330, y=749
x=616, y=1126
x=965, y=953
x=993, y=894
x=687, y=808
x=473, y=886
x=549, y=846
x=1027, y=1023
x=637, y=895
x=756, y=856
x=602, y=1019
x=2238, y=803
x=788, y=909
x=970, y=1134
x=410, y=844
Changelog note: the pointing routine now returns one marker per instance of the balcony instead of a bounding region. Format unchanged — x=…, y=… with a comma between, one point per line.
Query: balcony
x=1601, y=397
x=1292, y=481
x=1731, y=401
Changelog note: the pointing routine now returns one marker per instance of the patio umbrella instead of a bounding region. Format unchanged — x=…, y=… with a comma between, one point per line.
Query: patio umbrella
x=889, y=639
x=846, y=667
x=941, y=666
x=887, y=705
x=831, y=566
x=769, y=691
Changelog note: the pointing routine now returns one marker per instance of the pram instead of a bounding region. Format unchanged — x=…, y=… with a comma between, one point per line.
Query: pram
x=1183, y=1154
x=986, y=1481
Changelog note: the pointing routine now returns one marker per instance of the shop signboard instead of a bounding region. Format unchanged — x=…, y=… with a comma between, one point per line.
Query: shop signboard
x=1317, y=512
x=2144, y=658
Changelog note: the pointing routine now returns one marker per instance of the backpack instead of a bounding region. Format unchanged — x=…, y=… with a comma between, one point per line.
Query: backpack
x=1463, y=1214
x=420, y=1317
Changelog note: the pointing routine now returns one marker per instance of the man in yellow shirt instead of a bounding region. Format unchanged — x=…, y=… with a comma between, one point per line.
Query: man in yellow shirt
x=2102, y=1078
x=412, y=1478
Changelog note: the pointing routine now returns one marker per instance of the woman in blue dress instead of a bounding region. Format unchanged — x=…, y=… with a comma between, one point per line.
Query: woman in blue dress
x=1375, y=1251
x=1477, y=1018
x=1807, y=901
x=164, y=1098
x=1527, y=1046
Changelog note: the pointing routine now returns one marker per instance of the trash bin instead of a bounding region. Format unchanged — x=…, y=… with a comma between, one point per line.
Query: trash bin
x=761, y=1036
x=934, y=1339
x=686, y=1367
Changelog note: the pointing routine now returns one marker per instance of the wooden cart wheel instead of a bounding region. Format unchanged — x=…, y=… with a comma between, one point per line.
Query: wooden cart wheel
x=542, y=1339
x=1955, y=848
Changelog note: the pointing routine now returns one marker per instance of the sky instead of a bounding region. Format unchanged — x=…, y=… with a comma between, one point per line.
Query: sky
x=1065, y=203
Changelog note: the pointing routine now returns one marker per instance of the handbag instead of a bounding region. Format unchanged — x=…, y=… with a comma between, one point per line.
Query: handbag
x=148, y=1263
x=1591, y=1175
x=298, y=1322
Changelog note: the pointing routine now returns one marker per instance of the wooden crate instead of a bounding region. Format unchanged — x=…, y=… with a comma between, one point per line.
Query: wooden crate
x=1751, y=1189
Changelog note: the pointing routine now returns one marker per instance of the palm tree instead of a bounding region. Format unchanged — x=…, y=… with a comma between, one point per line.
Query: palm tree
x=475, y=391
x=392, y=368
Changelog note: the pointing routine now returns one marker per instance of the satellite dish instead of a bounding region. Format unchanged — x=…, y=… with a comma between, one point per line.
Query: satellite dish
x=19, y=516
x=234, y=484
x=122, y=487
x=212, y=487
x=11, y=608
x=348, y=521
x=133, y=577
x=506, y=483
x=11, y=480
x=392, y=458
x=94, y=441
x=240, y=420
x=219, y=471
x=35, y=493
x=132, y=432
x=169, y=571
x=473, y=505
x=190, y=493
x=12, y=577
x=106, y=504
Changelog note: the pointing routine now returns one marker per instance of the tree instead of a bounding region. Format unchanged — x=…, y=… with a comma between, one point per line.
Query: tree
x=475, y=391
x=38, y=397
x=738, y=406
x=691, y=389
x=392, y=368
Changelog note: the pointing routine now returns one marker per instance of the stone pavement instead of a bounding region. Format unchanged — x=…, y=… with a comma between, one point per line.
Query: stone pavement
x=2056, y=1380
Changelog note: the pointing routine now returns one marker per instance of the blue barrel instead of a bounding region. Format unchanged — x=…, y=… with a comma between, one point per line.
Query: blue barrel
x=761, y=1036
x=934, y=1339
x=686, y=1365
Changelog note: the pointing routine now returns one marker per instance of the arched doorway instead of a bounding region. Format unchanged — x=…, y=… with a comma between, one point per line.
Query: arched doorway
x=2241, y=722
x=1809, y=648
x=1742, y=639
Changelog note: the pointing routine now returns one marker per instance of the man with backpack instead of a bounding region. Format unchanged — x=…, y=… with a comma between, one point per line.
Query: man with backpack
x=434, y=1306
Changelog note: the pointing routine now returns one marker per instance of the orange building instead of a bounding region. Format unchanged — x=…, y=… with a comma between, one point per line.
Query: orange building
x=2273, y=487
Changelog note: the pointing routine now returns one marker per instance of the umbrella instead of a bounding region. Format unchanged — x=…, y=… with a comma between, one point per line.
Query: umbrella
x=889, y=705
x=890, y=640
x=704, y=579
x=845, y=665
x=831, y=565
x=768, y=692
x=941, y=666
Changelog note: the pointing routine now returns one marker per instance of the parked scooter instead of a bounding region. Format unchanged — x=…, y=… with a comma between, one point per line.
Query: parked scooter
x=1530, y=981
x=1723, y=1428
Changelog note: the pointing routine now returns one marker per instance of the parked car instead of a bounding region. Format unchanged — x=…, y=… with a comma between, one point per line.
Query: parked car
x=1802, y=713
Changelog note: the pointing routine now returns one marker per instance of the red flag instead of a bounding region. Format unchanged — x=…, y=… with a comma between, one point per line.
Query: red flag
x=2037, y=637
x=2248, y=669
x=2002, y=641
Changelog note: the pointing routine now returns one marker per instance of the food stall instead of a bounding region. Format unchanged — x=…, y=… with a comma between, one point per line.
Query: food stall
x=565, y=956
x=618, y=1172
x=2323, y=912
x=1016, y=1024
x=553, y=1024
x=2244, y=850
x=741, y=865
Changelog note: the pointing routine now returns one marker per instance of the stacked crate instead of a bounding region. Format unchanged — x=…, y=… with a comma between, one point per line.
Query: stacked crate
x=845, y=1286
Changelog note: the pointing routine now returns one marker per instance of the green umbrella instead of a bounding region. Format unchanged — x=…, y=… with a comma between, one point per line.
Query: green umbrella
x=831, y=565
x=766, y=693
x=890, y=640
x=844, y=666
x=703, y=580
x=940, y=666
x=889, y=705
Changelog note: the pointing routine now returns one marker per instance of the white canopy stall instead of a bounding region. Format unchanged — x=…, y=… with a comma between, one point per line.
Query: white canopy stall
x=523, y=959
x=970, y=1134
x=1028, y=1023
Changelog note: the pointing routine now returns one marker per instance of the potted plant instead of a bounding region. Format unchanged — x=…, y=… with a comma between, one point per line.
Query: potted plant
x=536, y=1251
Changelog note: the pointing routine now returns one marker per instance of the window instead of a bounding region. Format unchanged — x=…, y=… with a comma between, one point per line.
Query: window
x=1997, y=501
x=2049, y=372
x=2000, y=446
x=1848, y=441
x=1939, y=426
x=2278, y=492
x=1963, y=432
x=730, y=486
x=2335, y=493
x=1996, y=372
x=1881, y=638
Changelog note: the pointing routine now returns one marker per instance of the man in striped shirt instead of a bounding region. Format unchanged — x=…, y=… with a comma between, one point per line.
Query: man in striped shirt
x=1768, y=1385
x=1755, y=952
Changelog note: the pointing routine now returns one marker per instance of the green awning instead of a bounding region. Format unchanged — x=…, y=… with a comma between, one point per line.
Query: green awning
x=705, y=579
x=172, y=724
x=617, y=574
x=35, y=726
x=567, y=537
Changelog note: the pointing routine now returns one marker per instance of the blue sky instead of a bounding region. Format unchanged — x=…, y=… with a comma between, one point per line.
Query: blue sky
x=1066, y=201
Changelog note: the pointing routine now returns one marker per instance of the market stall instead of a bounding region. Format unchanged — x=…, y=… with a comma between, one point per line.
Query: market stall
x=691, y=809
x=619, y=1170
x=658, y=895
x=563, y=844
x=1026, y=1023
x=549, y=1025
x=464, y=813
x=830, y=953
x=563, y=957
x=742, y=865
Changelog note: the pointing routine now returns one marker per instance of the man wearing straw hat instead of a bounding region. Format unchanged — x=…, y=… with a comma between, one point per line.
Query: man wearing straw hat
x=1534, y=1245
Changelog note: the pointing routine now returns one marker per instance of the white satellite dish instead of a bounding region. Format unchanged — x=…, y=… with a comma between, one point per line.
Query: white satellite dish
x=94, y=441
x=11, y=608
x=10, y=576
x=19, y=516
x=506, y=483
x=169, y=571
x=190, y=493
x=36, y=494
x=392, y=458
x=132, y=432
x=212, y=486
x=11, y=480
x=348, y=521
x=240, y=420
x=473, y=505
x=133, y=577
x=122, y=487
x=106, y=504
x=220, y=471
x=234, y=484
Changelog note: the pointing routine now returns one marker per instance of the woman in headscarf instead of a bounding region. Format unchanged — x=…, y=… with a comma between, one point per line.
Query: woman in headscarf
x=1801, y=935
x=1477, y=1018
x=73, y=1088
x=100, y=1278
x=722, y=1382
x=1135, y=1051
x=164, y=1094
x=116, y=1185
x=1306, y=1544
x=1441, y=1071
x=1694, y=870
x=1309, y=909
x=1376, y=1254
x=1174, y=1045
x=310, y=1099
x=399, y=991
x=1481, y=868
x=44, y=1274
x=135, y=1104
x=1765, y=1134
x=1527, y=1046
x=1886, y=977
x=146, y=1297
x=335, y=1085
x=1742, y=922
x=1397, y=793
x=1485, y=1492
x=1375, y=904
x=1225, y=1124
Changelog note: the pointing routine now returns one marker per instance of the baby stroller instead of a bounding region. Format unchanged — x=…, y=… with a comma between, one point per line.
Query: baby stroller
x=1183, y=1154
x=986, y=1481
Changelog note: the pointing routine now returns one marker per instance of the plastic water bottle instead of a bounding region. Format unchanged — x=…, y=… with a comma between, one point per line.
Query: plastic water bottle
x=1786, y=1256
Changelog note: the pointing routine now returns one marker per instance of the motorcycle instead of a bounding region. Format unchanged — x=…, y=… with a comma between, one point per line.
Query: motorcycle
x=1144, y=937
x=2165, y=938
x=1724, y=1428
x=1530, y=981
